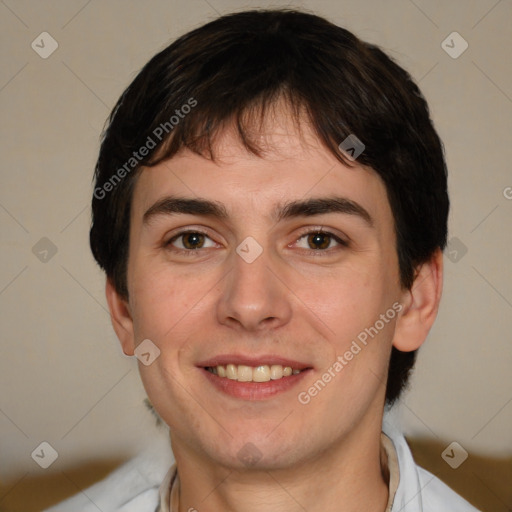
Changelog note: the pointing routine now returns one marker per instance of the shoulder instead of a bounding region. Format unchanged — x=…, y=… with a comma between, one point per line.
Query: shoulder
x=438, y=497
x=418, y=489
x=133, y=487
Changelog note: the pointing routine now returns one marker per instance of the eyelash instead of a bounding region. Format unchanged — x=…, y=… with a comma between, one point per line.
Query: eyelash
x=317, y=252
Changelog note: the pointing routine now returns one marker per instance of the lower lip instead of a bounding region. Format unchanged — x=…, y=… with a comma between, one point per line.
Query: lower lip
x=254, y=390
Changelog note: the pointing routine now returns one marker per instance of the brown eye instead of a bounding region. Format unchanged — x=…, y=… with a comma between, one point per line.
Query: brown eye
x=193, y=240
x=190, y=241
x=319, y=240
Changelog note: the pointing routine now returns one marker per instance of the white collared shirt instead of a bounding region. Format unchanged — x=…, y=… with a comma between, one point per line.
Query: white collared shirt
x=146, y=484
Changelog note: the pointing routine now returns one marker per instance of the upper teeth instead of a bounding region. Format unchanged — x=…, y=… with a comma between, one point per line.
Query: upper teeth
x=243, y=373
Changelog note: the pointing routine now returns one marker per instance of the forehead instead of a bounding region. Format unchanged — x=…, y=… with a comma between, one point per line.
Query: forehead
x=293, y=164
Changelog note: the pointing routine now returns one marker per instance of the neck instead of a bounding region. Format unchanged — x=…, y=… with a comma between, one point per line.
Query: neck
x=348, y=477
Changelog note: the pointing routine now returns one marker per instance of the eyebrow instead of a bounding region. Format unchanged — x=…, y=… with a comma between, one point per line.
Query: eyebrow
x=171, y=205
x=320, y=206
x=300, y=208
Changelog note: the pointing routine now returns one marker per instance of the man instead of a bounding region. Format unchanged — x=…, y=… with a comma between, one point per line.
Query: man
x=270, y=209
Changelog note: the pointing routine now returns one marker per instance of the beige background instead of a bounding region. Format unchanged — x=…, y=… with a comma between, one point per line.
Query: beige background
x=63, y=378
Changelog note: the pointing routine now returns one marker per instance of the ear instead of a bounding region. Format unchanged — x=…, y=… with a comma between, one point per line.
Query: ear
x=420, y=305
x=121, y=318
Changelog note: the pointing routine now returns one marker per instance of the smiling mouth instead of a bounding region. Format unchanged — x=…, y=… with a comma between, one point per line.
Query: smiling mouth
x=244, y=373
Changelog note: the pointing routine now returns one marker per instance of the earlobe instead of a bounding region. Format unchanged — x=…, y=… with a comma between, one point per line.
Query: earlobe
x=121, y=318
x=420, y=305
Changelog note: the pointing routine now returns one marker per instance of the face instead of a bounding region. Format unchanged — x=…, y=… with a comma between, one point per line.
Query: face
x=282, y=264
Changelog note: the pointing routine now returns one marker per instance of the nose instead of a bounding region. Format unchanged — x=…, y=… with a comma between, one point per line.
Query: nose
x=252, y=298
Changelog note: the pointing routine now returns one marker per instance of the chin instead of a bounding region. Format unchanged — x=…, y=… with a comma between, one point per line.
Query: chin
x=258, y=451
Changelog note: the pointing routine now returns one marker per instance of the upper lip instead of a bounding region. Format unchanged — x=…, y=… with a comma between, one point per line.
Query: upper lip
x=225, y=359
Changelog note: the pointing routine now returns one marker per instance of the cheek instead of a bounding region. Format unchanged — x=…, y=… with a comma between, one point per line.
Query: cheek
x=346, y=301
x=162, y=298
x=174, y=312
